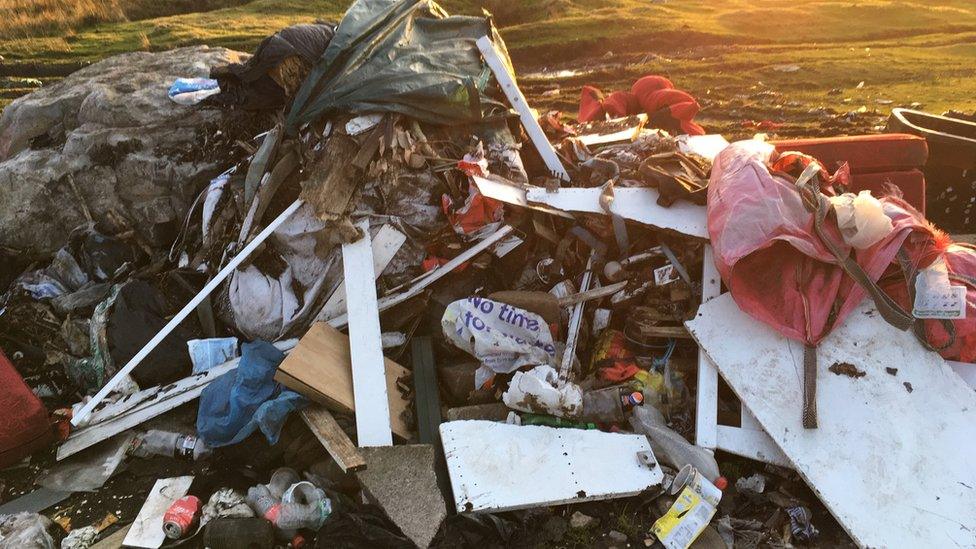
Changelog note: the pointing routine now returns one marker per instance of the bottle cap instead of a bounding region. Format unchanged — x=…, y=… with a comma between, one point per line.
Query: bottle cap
x=721, y=483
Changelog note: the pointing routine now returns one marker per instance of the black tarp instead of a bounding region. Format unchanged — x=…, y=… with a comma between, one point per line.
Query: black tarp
x=403, y=56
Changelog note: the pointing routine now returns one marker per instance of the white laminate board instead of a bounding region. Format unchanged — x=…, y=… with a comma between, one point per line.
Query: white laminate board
x=892, y=457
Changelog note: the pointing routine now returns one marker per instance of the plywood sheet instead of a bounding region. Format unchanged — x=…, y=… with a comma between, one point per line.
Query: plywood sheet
x=892, y=458
x=498, y=467
x=321, y=369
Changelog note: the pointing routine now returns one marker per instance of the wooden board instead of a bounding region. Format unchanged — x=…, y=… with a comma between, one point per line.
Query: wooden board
x=498, y=467
x=147, y=530
x=366, y=343
x=321, y=369
x=515, y=97
x=749, y=439
x=510, y=193
x=385, y=245
x=893, y=464
x=336, y=442
x=633, y=203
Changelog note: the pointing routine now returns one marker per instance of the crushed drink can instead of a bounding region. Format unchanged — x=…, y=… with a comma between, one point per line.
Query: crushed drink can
x=692, y=478
x=181, y=517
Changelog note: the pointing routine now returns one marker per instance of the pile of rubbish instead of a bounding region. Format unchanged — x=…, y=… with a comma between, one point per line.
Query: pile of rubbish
x=419, y=313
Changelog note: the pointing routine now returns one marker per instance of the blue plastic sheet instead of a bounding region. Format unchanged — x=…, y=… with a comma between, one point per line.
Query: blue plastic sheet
x=238, y=403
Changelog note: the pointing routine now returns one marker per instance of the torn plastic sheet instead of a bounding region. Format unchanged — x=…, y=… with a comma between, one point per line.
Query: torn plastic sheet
x=271, y=306
x=502, y=337
x=538, y=391
x=211, y=197
x=861, y=219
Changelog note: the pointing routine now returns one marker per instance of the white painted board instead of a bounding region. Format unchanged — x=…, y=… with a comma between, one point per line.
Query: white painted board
x=893, y=465
x=147, y=530
x=511, y=193
x=385, y=245
x=499, y=467
x=521, y=106
x=966, y=371
x=365, y=344
x=634, y=203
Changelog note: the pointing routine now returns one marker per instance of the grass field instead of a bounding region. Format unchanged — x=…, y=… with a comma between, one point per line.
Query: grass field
x=745, y=60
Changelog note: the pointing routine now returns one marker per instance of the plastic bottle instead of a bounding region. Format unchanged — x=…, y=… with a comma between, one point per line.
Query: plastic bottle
x=166, y=443
x=609, y=405
x=669, y=447
x=290, y=506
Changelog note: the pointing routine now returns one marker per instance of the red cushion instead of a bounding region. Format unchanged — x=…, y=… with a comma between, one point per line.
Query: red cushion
x=865, y=153
x=911, y=183
x=24, y=427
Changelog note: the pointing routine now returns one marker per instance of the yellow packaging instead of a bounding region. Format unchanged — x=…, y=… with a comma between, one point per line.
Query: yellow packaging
x=684, y=521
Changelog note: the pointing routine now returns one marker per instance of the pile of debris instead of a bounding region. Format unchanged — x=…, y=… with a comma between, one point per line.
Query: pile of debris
x=412, y=311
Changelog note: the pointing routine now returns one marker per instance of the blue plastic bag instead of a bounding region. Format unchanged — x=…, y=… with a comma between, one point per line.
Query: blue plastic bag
x=240, y=402
x=190, y=91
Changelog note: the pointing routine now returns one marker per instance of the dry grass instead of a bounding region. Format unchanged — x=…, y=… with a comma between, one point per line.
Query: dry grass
x=36, y=18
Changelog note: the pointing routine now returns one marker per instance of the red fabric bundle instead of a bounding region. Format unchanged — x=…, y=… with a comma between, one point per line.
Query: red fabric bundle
x=777, y=269
x=669, y=109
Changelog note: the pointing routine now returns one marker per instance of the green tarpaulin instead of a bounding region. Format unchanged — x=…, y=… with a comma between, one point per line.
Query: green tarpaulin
x=404, y=56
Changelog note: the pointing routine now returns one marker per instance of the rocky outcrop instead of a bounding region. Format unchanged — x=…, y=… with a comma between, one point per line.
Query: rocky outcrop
x=107, y=138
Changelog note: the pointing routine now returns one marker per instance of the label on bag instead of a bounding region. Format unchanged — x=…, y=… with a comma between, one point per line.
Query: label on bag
x=935, y=297
x=949, y=304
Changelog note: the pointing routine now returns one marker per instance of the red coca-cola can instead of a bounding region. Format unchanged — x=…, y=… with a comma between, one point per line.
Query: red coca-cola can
x=181, y=517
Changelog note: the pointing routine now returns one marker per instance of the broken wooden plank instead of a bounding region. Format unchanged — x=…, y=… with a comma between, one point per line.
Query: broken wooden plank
x=320, y=368
x=366, y=343
x=333, y=438
x=627, y=134
x=147, y=530
x=385, y=245
x=891, y=458
x=521, y=106
x=632, y=203
x=554, y=466
x=679, y=332
x=332, y=178
x=231, y=266
x=426, y=391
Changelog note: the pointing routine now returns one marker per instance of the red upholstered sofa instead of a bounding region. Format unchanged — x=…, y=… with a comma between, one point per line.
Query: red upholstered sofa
x=875, y=160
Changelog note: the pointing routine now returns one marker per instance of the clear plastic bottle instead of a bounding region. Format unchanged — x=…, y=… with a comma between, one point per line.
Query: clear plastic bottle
x=290, y=504
x=166, y=443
